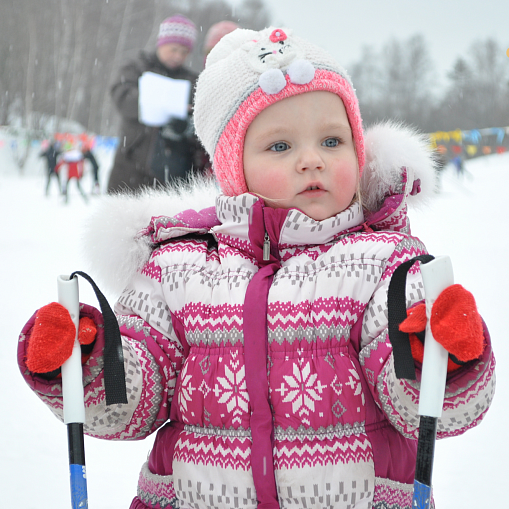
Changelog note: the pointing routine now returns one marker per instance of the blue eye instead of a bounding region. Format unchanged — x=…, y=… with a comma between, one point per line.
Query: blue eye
x=280, y=146
x=331, y=142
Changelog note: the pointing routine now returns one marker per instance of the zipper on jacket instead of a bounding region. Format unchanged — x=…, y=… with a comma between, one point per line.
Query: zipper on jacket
x=266, y=247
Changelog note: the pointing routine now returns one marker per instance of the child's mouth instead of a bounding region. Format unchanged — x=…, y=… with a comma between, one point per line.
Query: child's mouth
x=313, y=190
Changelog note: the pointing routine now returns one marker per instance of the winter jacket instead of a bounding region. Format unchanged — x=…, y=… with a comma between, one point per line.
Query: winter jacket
x=141, y=147
x=51, y=155
x=87, y=154
x=74, y=168
x=268, y=373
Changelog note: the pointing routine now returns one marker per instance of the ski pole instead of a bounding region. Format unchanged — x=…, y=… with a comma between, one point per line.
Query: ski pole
x=437, y=275
x=73, y=397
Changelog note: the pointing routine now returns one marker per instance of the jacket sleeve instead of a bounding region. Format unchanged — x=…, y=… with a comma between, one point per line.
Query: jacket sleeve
x=124, y=91
x=469, y=390
x=153, y=356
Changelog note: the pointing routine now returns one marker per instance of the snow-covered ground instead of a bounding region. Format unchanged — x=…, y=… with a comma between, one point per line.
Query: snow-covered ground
x=38, y=241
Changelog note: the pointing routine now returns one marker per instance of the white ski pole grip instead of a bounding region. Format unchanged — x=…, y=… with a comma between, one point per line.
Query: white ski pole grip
x=72, y=371
x=437, y=275
x=73, y=397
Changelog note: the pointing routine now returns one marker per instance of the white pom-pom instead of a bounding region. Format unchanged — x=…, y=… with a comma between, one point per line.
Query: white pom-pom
x=301, y=72
x=272, y=81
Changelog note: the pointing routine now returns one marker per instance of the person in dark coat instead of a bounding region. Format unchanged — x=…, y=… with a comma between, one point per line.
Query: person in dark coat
x=88, y=155
x=51, y=153
x=153, y=155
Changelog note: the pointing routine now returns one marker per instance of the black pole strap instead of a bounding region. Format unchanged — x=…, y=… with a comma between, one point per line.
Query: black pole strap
x=114, y=374
x=397, y=312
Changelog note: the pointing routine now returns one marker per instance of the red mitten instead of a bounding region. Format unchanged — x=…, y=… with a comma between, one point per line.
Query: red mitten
x=86, y=330
x=415, y=322
x=455, y=322
x=52, y=338
x=457, y=325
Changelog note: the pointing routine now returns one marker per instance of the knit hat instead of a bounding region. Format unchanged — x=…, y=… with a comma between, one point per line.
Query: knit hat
x=246, y=72
x=216, y=33
x=177, y=29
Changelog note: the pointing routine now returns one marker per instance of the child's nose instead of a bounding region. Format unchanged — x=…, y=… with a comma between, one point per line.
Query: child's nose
x=310, y=159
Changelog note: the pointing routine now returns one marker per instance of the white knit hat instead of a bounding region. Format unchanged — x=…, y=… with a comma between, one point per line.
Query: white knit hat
x=248, y=71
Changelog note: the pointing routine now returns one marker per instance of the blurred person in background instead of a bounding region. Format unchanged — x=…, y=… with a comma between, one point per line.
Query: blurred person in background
x=51, y=152
x=72, y=160
x=215, y=33
x=88, y=155
x=150, y=155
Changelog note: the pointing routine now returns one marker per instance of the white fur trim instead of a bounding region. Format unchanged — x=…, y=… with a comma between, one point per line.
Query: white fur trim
x=390, y=146
x=111, y=249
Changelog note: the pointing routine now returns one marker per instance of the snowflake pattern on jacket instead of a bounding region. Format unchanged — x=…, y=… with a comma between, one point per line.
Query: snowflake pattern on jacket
x=342, y=428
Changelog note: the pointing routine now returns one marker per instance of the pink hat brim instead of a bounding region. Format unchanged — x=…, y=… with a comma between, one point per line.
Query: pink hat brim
x=228, y=162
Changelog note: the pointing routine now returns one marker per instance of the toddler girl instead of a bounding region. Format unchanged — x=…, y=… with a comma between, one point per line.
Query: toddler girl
x=255, y=332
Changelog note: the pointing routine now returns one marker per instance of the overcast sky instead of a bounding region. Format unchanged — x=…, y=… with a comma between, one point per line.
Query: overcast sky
x=345, y=26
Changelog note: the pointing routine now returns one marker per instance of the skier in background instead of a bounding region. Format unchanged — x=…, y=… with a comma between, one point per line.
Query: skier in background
x=145, y=152
x=72, y=164
x=51, y=152
x=457, y=161
x=255, y=331
x=89, y=156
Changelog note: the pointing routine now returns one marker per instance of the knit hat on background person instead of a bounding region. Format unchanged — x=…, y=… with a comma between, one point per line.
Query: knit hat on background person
x=216, y=32
x=177, y=29
x=246, y=72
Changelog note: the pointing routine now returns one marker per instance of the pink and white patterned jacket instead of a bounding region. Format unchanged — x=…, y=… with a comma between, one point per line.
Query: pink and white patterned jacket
x=271, y=378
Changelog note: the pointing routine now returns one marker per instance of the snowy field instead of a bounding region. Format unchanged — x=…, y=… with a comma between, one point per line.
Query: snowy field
x=38, y=241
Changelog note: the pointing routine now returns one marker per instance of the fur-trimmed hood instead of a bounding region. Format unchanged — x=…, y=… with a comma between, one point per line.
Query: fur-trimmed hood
x=399, y=169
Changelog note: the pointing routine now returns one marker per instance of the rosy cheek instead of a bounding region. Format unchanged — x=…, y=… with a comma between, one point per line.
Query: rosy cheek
x=278, y=186
x=270, y=184
x=346, y=173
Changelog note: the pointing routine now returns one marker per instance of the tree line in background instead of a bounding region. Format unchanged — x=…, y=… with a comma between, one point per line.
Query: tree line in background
x=59, y=58
x=400, y=82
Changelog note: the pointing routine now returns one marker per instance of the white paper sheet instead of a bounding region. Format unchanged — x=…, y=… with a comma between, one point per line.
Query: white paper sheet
x=161, y=98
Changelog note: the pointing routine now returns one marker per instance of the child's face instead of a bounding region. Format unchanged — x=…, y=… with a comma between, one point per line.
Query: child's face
x=172, y=55
x=299, y=153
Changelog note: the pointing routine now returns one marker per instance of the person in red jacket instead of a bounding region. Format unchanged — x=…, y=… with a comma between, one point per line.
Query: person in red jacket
x=73, y=161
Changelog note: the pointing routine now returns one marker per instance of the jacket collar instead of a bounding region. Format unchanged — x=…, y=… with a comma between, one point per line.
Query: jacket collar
x=117, y=242
x=295, y=227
